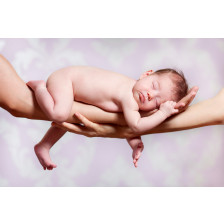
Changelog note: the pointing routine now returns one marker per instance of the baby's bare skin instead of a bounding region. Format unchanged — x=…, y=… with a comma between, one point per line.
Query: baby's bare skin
x=110, y=91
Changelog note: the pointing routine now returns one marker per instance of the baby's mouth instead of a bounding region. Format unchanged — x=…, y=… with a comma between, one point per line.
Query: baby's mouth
x=141, y=97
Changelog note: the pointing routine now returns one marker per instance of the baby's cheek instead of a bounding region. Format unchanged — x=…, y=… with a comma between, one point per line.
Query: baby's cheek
x=149, y=106
x=152, y=105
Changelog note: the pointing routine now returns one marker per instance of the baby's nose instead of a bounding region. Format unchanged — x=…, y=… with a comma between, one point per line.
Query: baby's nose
x=149, y=96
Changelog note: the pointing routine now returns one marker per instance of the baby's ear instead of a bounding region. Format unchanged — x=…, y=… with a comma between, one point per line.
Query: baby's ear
x=146, y=74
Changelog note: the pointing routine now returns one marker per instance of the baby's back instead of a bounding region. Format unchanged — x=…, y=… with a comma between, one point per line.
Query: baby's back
x=99, y=87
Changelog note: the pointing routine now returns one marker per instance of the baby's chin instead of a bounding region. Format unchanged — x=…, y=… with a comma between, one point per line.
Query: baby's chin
x=142, y=108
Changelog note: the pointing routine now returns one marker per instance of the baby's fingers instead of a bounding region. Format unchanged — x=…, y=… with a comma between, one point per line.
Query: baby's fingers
x=135, y=163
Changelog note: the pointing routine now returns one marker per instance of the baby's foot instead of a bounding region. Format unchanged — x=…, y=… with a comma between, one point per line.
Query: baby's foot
x=43, y=156
x=137, y=153
x=36, y=84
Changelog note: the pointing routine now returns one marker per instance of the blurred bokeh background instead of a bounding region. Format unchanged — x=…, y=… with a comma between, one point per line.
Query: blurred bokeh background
x=186, y=158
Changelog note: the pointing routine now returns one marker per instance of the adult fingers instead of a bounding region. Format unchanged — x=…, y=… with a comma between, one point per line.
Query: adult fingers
x=185, y=101
x=69, y=127
x=193, y=89
x=84, y=120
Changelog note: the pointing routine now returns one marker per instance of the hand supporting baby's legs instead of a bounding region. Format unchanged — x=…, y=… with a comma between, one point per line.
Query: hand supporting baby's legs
x=137, y=147
x=42, y=149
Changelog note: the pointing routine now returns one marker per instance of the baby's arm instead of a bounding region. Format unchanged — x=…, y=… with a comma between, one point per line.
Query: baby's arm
x=138, y=124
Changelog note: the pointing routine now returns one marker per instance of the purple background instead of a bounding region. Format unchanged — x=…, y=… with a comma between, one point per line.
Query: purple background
x=186, y=158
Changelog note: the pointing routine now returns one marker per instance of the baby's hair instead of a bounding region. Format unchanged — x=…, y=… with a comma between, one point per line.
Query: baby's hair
x=180, y=83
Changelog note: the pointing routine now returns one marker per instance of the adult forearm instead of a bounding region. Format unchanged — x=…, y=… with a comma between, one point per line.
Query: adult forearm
x=15, y=96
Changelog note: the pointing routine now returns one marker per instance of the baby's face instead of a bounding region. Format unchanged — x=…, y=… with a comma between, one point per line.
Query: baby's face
x=150, y=91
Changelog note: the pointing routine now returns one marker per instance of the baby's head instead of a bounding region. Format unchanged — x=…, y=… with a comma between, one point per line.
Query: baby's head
x=154, y=88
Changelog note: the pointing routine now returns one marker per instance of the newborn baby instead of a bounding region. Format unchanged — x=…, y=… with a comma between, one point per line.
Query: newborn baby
x=154, y=91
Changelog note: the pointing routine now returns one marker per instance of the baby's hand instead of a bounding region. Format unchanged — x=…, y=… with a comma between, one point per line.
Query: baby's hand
x=137, y=151
x=168, y=109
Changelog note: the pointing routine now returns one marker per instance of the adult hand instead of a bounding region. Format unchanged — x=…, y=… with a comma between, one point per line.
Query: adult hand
x=90, y=129
x=185, y=102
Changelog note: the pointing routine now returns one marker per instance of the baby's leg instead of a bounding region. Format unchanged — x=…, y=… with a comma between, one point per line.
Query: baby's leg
x=42, y=149
x=55, y=98
x=137, y=147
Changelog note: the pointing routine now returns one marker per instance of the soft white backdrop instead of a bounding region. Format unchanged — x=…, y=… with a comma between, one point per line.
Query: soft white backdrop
x=187, y=158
